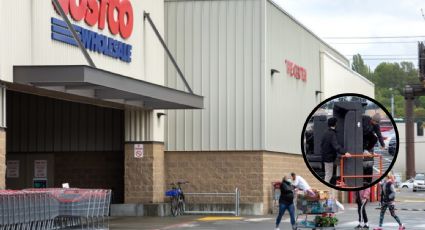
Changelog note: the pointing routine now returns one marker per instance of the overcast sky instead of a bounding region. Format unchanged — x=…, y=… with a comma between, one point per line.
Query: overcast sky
x=364, y=18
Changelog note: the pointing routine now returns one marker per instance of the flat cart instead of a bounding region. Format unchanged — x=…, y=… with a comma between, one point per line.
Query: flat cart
x=311, y=212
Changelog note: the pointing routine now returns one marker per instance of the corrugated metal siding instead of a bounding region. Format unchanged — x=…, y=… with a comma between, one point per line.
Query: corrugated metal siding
x=138, y=125
x=42, y=124
x=289, y=100
x=218, y=46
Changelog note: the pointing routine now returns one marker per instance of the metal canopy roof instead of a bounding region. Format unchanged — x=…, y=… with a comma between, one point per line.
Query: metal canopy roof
x=107, y=86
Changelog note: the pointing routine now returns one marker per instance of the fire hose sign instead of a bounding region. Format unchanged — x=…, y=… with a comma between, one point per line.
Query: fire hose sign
x=138, y=151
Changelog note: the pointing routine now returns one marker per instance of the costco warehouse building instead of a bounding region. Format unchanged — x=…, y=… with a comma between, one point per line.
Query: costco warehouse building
x=256, y=73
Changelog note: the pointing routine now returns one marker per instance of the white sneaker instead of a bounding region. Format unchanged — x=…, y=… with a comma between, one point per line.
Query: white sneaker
x=277, y=229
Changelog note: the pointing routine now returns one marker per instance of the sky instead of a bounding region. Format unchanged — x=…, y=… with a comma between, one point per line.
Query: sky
x=364, y=18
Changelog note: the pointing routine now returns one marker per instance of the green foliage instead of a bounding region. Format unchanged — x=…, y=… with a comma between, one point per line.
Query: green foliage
x=390, y=79
x=360, y=67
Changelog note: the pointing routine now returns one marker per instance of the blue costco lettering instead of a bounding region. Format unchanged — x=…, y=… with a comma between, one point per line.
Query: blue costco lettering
x=92, y=41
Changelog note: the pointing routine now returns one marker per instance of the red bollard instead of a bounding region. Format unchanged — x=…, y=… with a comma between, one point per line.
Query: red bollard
x=373, y=193
x=350, y=197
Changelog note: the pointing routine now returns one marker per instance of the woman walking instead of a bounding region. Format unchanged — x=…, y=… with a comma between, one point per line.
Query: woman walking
x=286, y=202
x=362, y=198
x=387, y=202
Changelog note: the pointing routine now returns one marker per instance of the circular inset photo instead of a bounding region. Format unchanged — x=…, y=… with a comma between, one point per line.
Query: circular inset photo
x=349, y=142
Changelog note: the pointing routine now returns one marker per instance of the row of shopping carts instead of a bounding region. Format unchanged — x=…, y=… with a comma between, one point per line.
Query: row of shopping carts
x=54, y=208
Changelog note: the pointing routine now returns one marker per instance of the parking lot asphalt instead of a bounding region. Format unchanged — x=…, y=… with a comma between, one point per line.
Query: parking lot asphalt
x=410, y=208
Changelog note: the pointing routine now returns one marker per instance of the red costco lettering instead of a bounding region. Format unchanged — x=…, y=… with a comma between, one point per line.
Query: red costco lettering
x=296, y=71
x=118, y=13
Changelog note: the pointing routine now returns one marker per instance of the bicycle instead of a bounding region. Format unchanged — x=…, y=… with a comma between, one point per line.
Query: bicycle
x=177, y=200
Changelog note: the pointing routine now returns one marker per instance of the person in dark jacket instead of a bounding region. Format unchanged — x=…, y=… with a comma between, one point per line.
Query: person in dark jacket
x=387, y=202
x=372, y=132
x=371, y=135
x=286, y=202
x=330, y=149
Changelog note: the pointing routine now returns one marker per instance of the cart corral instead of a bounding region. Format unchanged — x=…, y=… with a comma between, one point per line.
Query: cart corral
x=54, y=208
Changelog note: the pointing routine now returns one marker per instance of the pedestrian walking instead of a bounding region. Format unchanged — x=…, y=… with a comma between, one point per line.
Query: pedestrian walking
x=362, y=198
x=286, y=202
x=387, y=202
x=330, y=149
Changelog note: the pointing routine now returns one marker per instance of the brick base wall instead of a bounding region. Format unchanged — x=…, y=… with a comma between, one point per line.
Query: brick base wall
x=217, y=172
x=144, y=177
x=251, y=172
x=2, y=159
x=276, y=165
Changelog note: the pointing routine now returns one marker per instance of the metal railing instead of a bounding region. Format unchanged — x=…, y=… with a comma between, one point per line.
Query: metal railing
x=236, y=194
x=341, y=183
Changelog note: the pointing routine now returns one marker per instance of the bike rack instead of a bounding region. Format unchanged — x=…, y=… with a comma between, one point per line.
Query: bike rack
x=236, y=195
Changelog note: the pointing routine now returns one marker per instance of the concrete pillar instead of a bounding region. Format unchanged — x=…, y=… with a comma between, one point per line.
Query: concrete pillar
x=144, y=177
x=2, y=158
x=2, y=137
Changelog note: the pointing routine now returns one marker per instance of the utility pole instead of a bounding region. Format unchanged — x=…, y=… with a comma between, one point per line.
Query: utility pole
x=410, y=93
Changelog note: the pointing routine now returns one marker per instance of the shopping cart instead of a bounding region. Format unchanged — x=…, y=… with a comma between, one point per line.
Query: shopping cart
x=319, y=209
x=55, y=208
x=275, y=197
x=27, y=210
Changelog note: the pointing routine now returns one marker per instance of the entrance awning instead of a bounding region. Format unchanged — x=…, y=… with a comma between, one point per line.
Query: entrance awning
x=107, y=86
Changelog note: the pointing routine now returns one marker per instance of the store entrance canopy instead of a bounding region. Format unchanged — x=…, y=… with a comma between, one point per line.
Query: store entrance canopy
x=107, y=86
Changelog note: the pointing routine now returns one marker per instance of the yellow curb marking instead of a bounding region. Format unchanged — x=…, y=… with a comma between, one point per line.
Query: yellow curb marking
x=216, y=218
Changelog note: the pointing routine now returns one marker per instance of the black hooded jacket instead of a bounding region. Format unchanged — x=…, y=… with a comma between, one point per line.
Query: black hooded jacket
x=329, y=146
x=286, y=193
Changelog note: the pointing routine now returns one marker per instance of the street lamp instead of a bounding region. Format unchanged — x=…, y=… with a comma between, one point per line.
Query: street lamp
x=392, y=102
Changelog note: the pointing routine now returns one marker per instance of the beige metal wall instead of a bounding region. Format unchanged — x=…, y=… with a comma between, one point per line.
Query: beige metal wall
x=400, y=163
x=226, y=49
x=339, y=78
x=27, y=37
x=218, y=46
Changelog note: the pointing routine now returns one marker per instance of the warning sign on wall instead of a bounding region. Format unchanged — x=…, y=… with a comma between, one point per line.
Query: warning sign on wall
x=138, y=151
x=12, y=169
x=40, y=168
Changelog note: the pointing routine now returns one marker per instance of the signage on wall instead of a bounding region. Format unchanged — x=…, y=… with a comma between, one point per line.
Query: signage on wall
x=138, y=151
x=117, y=14
x=40, y=168
x=12, y=169
x=295, y=71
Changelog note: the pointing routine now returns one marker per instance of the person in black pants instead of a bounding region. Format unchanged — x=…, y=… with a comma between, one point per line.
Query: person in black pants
x=330, y=149
x=371, y=135
x=286, y=202
x=362, y=198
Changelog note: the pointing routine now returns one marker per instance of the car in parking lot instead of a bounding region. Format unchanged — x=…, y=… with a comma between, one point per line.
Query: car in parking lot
x=407, y=184
x=392, y=146
x=419, y=182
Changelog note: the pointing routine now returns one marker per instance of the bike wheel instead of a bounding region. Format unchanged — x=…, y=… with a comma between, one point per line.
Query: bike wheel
x=174, y=206
x=181, y=206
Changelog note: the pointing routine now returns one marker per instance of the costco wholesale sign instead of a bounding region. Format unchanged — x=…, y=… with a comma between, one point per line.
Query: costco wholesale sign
x=117, y=15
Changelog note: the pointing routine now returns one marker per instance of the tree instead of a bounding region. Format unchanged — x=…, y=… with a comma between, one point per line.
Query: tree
x=360, y=67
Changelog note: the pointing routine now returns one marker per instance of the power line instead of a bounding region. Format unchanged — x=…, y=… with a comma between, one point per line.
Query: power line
x=377, y=37
x=372, y=42
x=384, y=55
x=377, y=59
